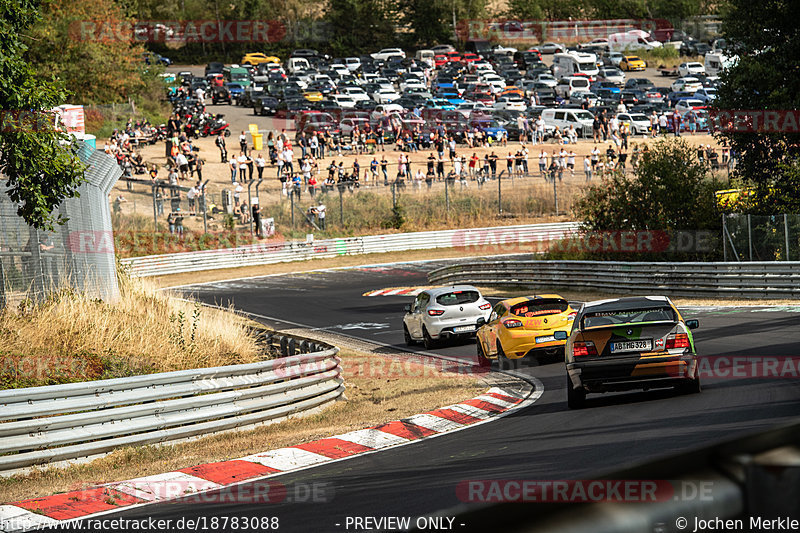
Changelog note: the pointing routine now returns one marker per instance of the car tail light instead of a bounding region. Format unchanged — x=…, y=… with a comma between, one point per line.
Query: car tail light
x=581, y=349
x=435, y=312
x=572, y=316
x=677, y=340
x=512, y=323
x=484, y=307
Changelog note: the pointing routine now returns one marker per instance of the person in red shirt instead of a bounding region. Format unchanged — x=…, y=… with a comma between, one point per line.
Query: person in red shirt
x=473, y=161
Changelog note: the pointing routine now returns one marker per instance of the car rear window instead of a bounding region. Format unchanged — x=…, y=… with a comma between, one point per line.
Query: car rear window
x=458, y=298
x=539, y=307
x=631, y=316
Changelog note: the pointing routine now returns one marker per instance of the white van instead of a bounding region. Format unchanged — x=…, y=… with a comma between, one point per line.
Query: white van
x=632, y=40
x=297, y=64
x=565, y=86
x=716, y=62
x=425, y=55
x=572, y=63
x=564, y=118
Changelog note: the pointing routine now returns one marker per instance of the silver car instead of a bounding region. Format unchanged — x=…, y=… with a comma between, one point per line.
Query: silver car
x=444, y=313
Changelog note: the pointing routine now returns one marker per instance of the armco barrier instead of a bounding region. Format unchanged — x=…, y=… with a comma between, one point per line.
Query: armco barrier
x=502, y=239
x=724, y=280
x=42, y=425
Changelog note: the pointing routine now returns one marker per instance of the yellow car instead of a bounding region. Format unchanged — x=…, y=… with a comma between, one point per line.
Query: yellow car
x=312, y=96
x=632, y=63
x=524, y=327
x=257, y=58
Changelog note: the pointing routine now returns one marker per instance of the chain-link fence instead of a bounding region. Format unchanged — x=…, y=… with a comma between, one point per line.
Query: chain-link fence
x=761, y=237
x=78, y=254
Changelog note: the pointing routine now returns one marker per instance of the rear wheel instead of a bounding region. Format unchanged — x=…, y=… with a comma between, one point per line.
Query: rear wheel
x=427, y=340
x=690, y=386
x=576, y=398
x=482, y=360
x=504, y=362
x=407, y=336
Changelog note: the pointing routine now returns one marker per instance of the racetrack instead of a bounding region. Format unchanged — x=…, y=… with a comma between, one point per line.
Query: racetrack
x=544, y=441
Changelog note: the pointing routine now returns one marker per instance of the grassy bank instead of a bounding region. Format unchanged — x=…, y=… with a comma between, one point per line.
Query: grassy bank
x=71, y=337
x=378, y=391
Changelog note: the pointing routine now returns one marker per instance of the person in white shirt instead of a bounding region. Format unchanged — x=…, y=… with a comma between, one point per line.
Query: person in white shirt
x=261, y=164
x=539, y=130
x=662, y=123
x=320, y=209
x=201, y=95
x=571, y=163
x=595, y=157
x=183, y=165
x=587, y=169
x=572, y=135
x=614, y=124
x=191, y=194
x=543, y=164
x=242, y=160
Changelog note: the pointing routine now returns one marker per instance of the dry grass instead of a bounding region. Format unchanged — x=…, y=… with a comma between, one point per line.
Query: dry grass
x=71, y=337
x=378, y=391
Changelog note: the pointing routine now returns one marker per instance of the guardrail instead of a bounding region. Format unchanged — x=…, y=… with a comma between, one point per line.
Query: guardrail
x=726, y=280
x=505, y=238
x=43, y=425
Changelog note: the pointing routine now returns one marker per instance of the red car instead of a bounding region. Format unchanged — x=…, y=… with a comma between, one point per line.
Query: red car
x=470, y=58
x=453, y=57
x=439, y=60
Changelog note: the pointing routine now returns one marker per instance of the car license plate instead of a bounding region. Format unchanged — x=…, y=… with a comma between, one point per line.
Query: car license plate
x=548, y=338
x=631, y=346
x=463, y=329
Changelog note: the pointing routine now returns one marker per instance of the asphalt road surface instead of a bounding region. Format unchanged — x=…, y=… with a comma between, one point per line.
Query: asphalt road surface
x=546, y=441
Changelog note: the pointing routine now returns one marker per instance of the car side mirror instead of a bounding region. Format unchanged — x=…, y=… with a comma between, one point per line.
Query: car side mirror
x=560, y=335
x=481, y=321
x=693, y=324
x=407, y=308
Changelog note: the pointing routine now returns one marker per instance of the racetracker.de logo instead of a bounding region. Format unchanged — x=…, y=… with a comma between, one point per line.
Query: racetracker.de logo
x=178, y=31
x=755, y=121
x=581, y=490
x=535, y=31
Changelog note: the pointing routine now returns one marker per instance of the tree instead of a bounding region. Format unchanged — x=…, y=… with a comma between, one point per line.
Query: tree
x=360, y=25
x=766, y=38
x=82, y=45
x=431, y=21
x=35, y=158
x=670, y=191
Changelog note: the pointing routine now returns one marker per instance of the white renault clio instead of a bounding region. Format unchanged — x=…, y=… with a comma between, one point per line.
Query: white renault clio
x=444, y=313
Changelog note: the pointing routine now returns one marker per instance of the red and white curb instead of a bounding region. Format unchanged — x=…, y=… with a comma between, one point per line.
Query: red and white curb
x=52, y=510
x=397, y=291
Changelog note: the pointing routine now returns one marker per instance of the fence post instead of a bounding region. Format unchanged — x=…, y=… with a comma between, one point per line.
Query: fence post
x=499, y=194
x=155, y=210
x=786, y=233
x=724, y=242
x=291, y=203
x=749, y=237
x=555, y=195
x=341, y=206
x=447, y=197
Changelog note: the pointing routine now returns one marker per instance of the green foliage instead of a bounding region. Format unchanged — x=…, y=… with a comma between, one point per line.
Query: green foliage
x=395, y=220
x=671, y=190
x=360, y=25
x=673, y=10
x=765, y=77
x=36, y=159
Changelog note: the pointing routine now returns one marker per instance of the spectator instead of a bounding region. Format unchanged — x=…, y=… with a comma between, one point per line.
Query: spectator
x=191, y=194
x=243, y=143
x=257, y=218
x=261, y=164
x=223, y=150
x=587, y=169
x=242, y=160
x=234, y=166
